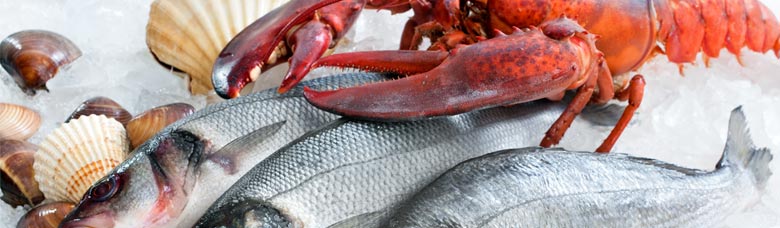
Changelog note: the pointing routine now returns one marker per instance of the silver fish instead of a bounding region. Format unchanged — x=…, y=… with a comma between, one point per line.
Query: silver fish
x=171, y=179
x=350, y=171
x=536, y=187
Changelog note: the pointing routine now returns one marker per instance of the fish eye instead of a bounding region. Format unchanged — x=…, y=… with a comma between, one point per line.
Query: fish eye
x=105, y=189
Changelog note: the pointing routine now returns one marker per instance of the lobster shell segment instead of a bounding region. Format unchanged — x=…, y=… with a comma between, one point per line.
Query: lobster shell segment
x=715, y=38
x=756, y=25
x=711, y=25
x=773, y=30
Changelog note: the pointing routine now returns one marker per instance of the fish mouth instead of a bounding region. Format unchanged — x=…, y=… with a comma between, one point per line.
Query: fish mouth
x=102, y=220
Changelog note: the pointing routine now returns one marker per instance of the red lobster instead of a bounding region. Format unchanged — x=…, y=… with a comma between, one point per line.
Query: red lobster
x=473, y=64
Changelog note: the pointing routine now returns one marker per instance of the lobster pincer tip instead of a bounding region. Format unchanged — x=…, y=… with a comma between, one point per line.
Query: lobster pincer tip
x=228, y=83
x=222, y=86
x=225, y=91
x=287, y=85
x=339, y=101
x=298, y=70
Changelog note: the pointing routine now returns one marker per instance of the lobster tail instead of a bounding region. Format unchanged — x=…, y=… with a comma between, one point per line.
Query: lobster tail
x=690, y=26
x=773, y=31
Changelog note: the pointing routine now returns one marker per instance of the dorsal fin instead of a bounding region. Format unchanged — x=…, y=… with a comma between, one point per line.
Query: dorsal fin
x=741, y=152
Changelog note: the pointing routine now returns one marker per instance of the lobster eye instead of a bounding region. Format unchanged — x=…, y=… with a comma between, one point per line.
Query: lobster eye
x=104, y=190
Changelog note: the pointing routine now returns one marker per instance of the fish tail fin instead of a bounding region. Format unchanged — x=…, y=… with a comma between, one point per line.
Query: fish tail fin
x=741, y=151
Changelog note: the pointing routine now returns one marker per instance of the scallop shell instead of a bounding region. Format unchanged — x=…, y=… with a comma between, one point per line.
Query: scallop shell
x=101, y=106
x=18, y=122
x=32, y=57
x=189, y=34
x=75, y=155
x=46, y=216
x=16, y=170
x=148, y=123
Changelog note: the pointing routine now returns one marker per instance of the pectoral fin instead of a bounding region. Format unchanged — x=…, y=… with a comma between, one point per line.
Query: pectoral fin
x=230, y=154
x=371, y=219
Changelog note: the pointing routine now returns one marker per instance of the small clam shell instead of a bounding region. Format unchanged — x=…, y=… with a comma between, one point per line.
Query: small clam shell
x=75, y=155
x=32, y=57
x=18, y=122
x=17, y=176
x=147, y=124
x=189, y=34
x=101, y=106
x=46, y=216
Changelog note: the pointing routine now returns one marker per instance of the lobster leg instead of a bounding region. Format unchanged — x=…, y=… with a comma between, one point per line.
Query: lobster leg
x=430, y=17
x=409, y=37
x=635, y=92
x=556, y=131
x=606, y=87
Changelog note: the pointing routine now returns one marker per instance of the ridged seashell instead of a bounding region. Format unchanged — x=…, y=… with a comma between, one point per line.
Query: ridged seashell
x=189, y=34
x=32, y=57
x=75, y=155
x=46, y=216
x=101, y=106
x=18, y=122
x=16, y=173
x=148, y=123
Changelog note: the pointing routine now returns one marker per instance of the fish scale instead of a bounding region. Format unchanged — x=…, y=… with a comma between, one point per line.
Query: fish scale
x=351, y=170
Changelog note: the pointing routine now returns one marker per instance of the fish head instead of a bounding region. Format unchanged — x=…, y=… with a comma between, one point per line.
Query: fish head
x=100, y=204
x=148, y=190
x=246, y=213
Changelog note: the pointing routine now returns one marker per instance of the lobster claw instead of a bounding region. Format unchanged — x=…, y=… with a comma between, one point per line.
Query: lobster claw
x=524, y=66
x=300, y=31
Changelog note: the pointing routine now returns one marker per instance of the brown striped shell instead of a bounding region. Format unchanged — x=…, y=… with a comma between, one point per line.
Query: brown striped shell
x=101, y=106
x=32, y=57
x=16, y=170
x=78, y=153
x=46, y=216
x=189, y=34
x=18, y=122
x=148, y=123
